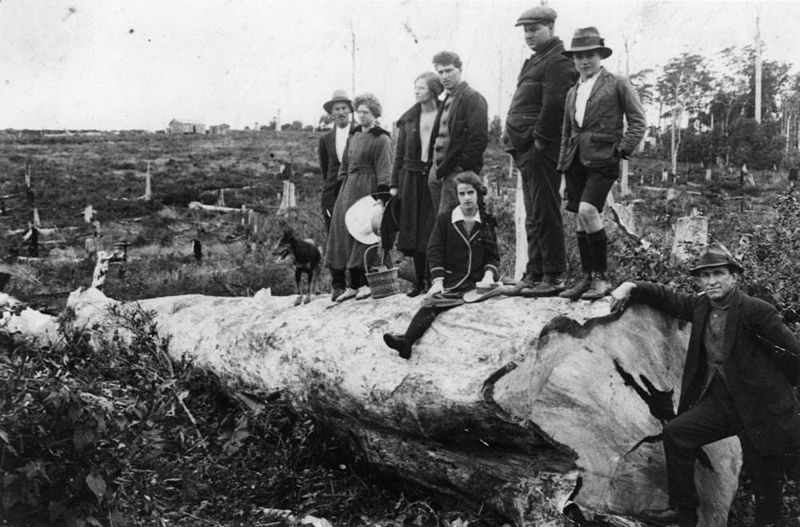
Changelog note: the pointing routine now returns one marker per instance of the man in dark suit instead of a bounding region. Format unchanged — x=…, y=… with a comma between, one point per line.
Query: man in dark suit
x=533, y=136
x=461, y=131
x=741, y=368
x=331, y=150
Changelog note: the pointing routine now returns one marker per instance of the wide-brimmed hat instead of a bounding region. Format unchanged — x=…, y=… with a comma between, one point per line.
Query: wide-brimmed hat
x=338, y=96
x=716, y=255
x=587, y=39
x=537, y=15
x=482, y=292
x=363, y=220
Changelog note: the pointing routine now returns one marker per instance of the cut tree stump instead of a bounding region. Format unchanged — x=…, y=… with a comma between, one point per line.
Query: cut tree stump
x=523, y=405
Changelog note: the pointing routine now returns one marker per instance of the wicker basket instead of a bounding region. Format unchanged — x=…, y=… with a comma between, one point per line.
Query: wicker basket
x=382, y=282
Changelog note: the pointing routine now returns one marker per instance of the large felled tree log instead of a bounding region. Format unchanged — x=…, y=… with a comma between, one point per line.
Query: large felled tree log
x=520, y=404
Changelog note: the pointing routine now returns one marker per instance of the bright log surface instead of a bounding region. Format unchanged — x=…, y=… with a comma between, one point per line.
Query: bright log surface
x=21, y=322
x=510, y=402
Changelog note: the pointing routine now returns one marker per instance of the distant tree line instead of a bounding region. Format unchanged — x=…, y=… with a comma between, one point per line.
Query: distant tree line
x=707, y=109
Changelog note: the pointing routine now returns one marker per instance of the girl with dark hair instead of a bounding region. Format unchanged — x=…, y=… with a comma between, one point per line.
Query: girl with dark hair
x=462, y=252
x=412, y=162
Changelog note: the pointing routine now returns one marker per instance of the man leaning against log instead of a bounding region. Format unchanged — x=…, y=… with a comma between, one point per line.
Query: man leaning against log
x=533, y=138
x=741, y=366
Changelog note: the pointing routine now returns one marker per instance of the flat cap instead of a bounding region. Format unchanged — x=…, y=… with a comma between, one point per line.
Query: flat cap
x=537, y=15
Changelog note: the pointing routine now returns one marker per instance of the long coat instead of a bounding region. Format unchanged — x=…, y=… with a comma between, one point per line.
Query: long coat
x=367, y=164
x=462, y=257
x=410, y=176
x=537, y=108
x=468, y=123
x=596, y=140
x=761, y=354
x=329, y=166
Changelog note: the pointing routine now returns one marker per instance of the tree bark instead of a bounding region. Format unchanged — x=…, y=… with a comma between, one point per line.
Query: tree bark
x=519, y=404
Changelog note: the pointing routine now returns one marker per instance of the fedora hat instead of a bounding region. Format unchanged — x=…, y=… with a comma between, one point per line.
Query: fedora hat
x=715, y=255
x=338, y=96
x=587, y=39
x=363, y=220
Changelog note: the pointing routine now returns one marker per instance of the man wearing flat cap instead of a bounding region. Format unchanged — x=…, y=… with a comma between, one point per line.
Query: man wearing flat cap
x=331, y=150
x=533, y=138
x=741, y=367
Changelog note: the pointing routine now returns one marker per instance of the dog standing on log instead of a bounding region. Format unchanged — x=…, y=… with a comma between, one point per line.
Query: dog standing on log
x=306, y=258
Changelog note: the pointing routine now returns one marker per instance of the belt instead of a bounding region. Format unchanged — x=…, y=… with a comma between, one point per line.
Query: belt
x=414, y=165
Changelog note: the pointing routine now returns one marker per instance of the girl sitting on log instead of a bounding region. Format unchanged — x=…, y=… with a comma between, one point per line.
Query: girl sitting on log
x=462, y=251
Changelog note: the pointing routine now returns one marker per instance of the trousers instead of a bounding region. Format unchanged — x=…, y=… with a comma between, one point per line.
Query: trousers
x=443, y=191
x=712, y=419
x=544, y=224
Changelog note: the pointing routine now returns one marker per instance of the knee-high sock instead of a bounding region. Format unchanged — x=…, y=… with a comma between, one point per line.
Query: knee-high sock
x=598, y=245
x=585, y=252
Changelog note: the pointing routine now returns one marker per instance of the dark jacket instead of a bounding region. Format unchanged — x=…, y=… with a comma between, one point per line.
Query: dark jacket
x=329, y=166
x=755, y=373
x=601, y=133
x=461, y=258
x=410, y=176
x=469, y=133
x=537, y=108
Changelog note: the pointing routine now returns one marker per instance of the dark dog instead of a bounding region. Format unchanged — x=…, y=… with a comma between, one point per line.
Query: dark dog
x=305, y=257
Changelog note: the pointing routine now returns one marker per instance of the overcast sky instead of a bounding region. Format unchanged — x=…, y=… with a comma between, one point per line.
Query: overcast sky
x=137, y=64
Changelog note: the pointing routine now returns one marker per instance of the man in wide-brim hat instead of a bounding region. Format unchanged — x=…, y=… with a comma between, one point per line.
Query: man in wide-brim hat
x=594, y=140
x=331, y=152
x=331, y=149
x=741, y=368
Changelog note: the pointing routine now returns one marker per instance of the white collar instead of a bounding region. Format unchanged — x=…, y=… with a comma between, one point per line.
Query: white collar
x=592, y=79
x=458, y=215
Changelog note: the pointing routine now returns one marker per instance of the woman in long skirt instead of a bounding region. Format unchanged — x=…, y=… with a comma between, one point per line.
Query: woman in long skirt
x=365, y=170
x=412, y=163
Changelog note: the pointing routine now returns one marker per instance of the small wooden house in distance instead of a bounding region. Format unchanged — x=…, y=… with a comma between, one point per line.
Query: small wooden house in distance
x=186, y=126
x=219, y=129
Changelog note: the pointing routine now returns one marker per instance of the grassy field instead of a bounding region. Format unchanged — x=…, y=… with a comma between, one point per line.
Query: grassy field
x=108, y=172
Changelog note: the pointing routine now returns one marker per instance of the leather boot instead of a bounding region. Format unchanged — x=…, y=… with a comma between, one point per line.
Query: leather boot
x=580, y=287
x=599, y=288
x=417, y=290
x=551, y=285
x=398, y=343
x=680, y=517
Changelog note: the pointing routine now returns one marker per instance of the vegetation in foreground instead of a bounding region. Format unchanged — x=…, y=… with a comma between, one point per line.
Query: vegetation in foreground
x=131, y=437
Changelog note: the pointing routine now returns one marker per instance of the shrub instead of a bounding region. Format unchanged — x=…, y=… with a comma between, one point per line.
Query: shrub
x=115, y=432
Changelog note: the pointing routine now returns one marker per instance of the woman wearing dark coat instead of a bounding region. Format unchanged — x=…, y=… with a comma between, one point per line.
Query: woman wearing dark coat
x=461, y=253
x=412, y=162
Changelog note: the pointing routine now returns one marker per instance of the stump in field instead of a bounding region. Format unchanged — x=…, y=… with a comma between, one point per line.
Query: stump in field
x=519, y=404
